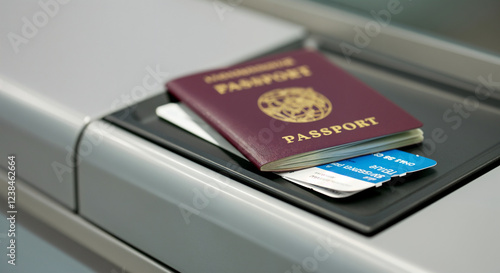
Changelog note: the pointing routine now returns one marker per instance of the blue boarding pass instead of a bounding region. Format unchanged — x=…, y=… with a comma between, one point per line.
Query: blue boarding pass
x=380, y=167
x=360, y=173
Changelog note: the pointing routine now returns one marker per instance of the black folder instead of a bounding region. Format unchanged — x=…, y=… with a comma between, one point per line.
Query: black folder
x=461, y=130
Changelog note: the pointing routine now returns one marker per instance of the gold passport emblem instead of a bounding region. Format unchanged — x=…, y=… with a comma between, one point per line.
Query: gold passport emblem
x=295, y=104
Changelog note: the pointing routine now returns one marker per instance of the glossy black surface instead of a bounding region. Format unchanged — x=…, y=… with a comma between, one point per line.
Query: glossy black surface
x=461, y=135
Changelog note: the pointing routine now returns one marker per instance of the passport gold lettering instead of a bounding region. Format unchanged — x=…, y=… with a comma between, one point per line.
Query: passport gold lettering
x=304, y=70
x=263, y=79
x=249, y=70
x=233, y=87
x=372, y=120
x=325, y=131
x=361, y=123
x=337, y=129
x=302, y=137
x=256, y=81
x=314, y=133
x=349, y=126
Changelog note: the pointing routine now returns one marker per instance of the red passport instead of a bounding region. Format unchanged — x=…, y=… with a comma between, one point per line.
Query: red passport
x=296, y=110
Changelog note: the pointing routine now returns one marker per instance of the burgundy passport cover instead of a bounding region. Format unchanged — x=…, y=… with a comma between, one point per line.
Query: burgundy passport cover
x=288, y=104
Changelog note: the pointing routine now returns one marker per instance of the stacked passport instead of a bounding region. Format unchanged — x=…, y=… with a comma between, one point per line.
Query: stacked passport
x=296, y=110
x=290, y=111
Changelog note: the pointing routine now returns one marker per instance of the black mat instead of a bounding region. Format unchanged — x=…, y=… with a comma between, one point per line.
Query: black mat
x=462, y=136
